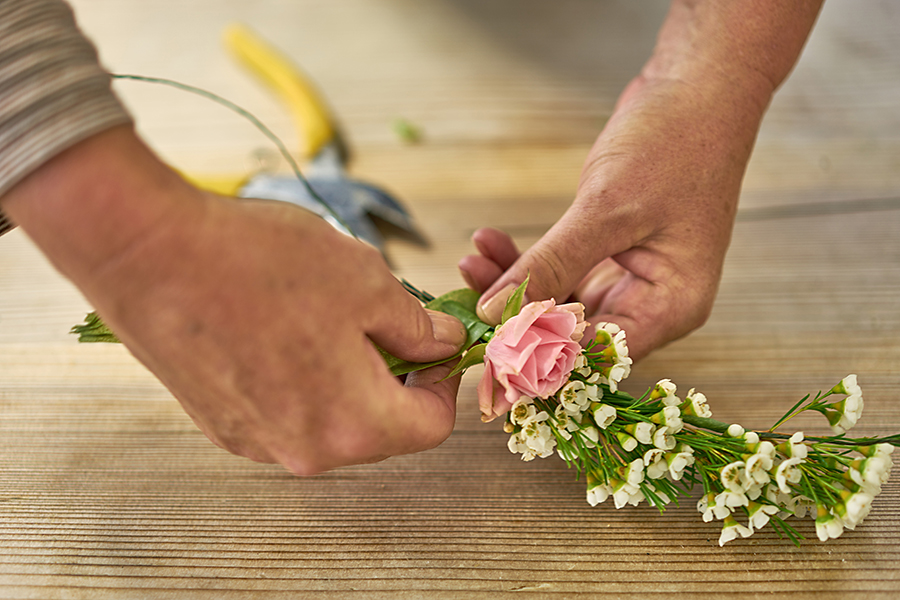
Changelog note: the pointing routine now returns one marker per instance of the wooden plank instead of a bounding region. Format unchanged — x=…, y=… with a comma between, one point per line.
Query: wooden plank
x=107, y=490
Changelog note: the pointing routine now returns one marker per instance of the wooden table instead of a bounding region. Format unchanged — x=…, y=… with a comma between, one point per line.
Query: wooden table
x=107, y=490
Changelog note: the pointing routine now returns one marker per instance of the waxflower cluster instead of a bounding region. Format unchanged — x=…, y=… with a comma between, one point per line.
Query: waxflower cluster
x=658, y=447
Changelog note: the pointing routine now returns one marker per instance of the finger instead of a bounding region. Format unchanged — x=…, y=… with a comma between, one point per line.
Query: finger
x=653, y=314
x=594, y=287
x=497, y=253
x=556, y=264
x=479, y=272
x=398, y=323
x=497, y=246
x=431, y=412
x=398, y=419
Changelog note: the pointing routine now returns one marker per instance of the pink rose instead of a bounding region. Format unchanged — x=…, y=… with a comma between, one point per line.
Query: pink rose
x=530, y=355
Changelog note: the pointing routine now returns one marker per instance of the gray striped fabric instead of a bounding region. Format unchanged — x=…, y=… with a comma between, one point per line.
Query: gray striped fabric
x=53, y=92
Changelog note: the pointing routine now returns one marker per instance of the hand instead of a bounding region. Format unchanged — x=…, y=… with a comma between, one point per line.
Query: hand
x=644, y=241
x=256, y=315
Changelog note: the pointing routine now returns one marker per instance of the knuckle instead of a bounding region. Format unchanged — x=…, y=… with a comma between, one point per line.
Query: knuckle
x=549, y=271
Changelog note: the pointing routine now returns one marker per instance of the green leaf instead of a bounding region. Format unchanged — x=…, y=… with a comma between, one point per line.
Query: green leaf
x=514, y=304
x=468, y=298
x=398, y=366
x=474, y=356
x=94, y=330
x=475, y=327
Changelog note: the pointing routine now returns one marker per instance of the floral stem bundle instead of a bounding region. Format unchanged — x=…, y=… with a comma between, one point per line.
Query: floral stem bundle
x=561, y=396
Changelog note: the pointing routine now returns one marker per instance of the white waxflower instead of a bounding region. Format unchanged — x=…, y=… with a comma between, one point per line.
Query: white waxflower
x=619, y=371
x=620, y=344
x=880, y=450
x=828, y=526
x=751, y=438
x=698, y=405
x=627, y=442
x=636, y=498
x=735, y=431
x=642, y=431
x=734, y=476
x=516, y=445
x=848, y=385
x=589, y=436
x=883, y=452
x=855, y=508
x=655, y=462
x=612, y=336
x=574, y=397
x=669, y=417
x=522, y=410
x=767, y=448
x=870, y=473
x=665, y=390
x=623, y=492
x=677, y=462
x=758, y=466
x=754, y=490
x=604, y=415
x=703, y=503
x=605, y=332
x=565, y=425
x=794, y=447
x=731, y=499
x=537, y=435
x=599, y=493
x=664, y=439
x=759, y=514
x=581, y=365
x=730, y=530
x=799, y=506
x=775, y=495
x=851, y=409
x=788, y=473
x=710, y=510
x=635, y=473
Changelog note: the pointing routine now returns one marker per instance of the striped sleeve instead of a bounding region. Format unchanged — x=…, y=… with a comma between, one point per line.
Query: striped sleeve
x=53, y=92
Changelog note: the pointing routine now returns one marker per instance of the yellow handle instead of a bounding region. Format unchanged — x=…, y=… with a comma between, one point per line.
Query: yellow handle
x=314, y=126
x=226, y=185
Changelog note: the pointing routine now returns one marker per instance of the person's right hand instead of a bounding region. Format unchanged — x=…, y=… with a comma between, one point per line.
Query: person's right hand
x=258, y=316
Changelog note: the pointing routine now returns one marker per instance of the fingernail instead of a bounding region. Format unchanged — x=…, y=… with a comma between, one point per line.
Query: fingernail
x=491, y=312
x=447, y=329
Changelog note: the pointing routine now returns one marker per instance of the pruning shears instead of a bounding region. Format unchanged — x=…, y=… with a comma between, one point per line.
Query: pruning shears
x=358, y=205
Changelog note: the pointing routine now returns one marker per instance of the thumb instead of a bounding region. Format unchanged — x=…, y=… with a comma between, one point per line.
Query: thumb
x=555, y=265
x=401, y=326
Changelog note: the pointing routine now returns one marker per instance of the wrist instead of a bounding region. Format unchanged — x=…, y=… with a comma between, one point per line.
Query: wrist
x=745, y=47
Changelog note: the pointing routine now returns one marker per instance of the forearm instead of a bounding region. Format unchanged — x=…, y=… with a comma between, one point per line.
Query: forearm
x=53, y=92
x=697, y=105
x=96, y=201
x=752, y=44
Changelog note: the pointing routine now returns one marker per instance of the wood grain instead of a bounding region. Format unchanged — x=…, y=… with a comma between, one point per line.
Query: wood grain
x=107, y=490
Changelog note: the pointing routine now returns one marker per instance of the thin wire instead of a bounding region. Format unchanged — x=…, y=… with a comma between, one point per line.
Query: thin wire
x=256, y=122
